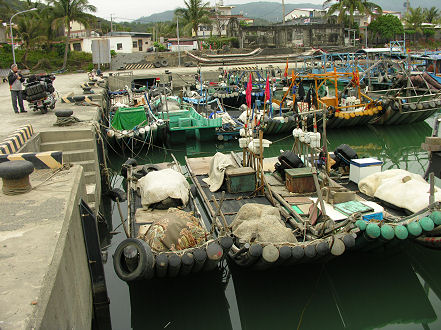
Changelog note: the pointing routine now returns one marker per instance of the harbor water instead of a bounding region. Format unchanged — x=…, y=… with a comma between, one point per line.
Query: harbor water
x=392, y=287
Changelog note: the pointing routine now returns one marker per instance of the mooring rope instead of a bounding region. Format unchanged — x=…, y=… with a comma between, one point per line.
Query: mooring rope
x=66, y=121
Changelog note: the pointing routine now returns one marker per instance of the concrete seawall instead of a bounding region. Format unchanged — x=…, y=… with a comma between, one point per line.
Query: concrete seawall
x=45, y=278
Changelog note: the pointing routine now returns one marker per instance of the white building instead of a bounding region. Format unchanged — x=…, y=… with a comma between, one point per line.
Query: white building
x=120, y=42
x=184, y=44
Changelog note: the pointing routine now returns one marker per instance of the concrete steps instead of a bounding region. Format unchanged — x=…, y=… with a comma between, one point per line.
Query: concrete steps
x=78, y=155
x=79, y=148
x=90, y=177
x=90, y=192
x=63, y=135
x=67, y=145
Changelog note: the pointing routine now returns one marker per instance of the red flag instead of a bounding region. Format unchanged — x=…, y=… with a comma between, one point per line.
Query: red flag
x=267, y=89
x=248, y=92
x=286, y=69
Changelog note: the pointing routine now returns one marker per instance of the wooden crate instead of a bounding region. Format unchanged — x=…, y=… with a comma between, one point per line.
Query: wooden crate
x=242, y=179
x=300, y=180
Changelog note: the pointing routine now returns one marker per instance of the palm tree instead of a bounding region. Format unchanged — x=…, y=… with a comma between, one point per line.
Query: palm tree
x=195, y=14
x=345, y=7
x=414, y=19
x=4, y=10
x=67, y=11
x=431, y=15
x=31, y=32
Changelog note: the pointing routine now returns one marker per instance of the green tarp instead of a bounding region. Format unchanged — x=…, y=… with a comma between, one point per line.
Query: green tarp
x=128, y=118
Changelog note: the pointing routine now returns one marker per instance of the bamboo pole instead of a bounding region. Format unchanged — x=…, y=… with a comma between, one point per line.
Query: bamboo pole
x=122, y=218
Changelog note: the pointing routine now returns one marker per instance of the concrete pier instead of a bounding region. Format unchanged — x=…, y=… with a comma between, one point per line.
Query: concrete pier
x=45, y=282
x=44, y=276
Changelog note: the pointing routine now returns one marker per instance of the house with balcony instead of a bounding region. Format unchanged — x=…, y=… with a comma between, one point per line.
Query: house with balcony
x=220, y=16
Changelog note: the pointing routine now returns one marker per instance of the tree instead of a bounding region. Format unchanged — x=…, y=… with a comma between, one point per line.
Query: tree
x=349, y=7
x=31, y=33
x=195, y=14
x=4, y=10
x=414, y=19
x=386, y=26
x=67, y=11
x=431, y=15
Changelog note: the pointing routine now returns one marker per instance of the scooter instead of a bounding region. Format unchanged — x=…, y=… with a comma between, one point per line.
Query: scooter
x=40, y=92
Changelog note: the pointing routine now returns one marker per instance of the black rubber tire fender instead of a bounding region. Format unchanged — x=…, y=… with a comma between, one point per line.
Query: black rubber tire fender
x=64, y=113
x=144, y=270
x=147, y=168
x=157, y=64
x=164, y=63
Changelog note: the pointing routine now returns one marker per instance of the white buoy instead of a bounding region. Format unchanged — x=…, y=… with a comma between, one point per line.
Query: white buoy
x=110, y=133
x=142, y=132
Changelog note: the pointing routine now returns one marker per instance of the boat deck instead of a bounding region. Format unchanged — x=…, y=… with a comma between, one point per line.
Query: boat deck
x=199, y=167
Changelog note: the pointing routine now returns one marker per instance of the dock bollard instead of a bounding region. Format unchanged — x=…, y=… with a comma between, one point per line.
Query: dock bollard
x=15, y=175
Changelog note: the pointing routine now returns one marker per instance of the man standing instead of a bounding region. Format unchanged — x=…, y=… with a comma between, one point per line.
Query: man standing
x=15, y=79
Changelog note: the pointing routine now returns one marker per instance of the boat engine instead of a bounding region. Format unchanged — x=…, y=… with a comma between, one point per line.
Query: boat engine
x=343, y=155
x=287, y=160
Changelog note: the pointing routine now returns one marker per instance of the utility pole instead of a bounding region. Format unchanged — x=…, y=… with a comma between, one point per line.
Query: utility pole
x=111, y=24
x=179, y=47
x=283, y=12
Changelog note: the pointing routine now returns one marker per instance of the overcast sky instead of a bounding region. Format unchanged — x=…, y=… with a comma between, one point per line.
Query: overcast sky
x=132, y=9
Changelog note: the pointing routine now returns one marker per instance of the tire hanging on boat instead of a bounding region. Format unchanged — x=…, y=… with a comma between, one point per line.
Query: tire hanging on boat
x=136, y=266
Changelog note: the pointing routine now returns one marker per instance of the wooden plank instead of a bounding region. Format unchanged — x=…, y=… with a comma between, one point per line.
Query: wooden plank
x=273, y=181
x=430, y=147
x=298, y=200
x=200, y=165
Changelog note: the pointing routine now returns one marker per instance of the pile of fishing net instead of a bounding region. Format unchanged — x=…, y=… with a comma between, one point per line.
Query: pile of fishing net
x=174, y=230
x=261, y=223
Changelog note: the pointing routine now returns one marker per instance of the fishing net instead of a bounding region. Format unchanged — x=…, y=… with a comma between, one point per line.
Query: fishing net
x=176, y=230
x=262, y=223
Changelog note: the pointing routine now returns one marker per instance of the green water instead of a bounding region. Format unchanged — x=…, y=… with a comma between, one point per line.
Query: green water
x=397, y=287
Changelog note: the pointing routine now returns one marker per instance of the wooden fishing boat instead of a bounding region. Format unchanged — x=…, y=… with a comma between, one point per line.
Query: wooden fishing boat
x=188, y=123
x=323, y=215
x=132, y=127
x=166, y=238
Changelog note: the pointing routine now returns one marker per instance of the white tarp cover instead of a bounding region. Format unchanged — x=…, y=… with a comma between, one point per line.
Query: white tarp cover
x=226, y=119
x=218, y=164
x=159, y=185
x=262, y=222
x=400, y=188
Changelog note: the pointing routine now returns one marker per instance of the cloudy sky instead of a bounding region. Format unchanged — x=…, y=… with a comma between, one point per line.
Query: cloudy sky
x=132, y=9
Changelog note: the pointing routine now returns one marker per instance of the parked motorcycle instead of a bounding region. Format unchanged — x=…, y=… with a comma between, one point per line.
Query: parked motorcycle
x=40, y=92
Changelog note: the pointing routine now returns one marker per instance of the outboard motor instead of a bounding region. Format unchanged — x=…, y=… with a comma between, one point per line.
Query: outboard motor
x=287, y=159
x=343, y=156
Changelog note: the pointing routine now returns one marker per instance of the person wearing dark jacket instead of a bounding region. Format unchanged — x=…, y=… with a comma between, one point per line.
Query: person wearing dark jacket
x=15, y=80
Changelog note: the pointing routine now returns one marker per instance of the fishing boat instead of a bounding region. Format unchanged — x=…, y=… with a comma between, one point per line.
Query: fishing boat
x=134, y=126
x=166, y=235
x=314, y=213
